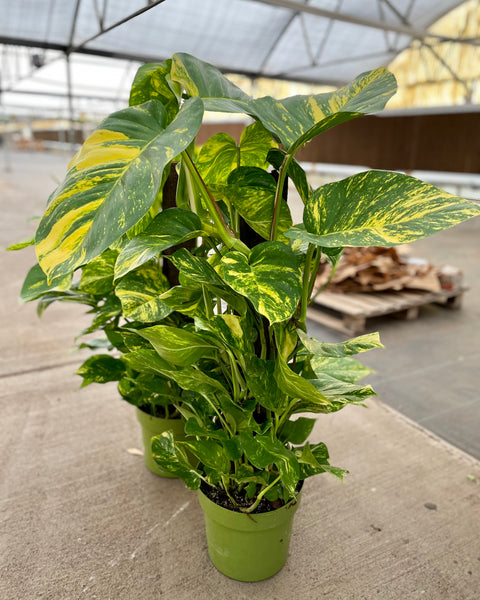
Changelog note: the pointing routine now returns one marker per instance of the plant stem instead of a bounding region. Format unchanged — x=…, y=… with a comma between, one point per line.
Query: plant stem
x=282, y=173
x=305, y=286
x=224, y=232
x=325, y=285
x=260, y=496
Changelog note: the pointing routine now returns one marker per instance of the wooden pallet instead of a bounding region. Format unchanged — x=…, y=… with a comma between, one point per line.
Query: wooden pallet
x=349, y=312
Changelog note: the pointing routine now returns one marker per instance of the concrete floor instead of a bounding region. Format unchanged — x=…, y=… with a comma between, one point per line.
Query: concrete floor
x=82, y=518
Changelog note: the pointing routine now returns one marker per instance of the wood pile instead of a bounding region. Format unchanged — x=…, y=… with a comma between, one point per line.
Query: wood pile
x=375, y=269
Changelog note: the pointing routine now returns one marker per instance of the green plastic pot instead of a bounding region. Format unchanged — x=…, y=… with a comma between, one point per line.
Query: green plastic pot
x=152, y=426
x=248, y=547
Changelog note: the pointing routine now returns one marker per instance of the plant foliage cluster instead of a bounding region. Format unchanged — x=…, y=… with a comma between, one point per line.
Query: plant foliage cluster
x=204, y=298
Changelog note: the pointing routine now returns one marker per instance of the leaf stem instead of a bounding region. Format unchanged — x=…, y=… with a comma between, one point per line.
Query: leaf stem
x=306, y=285
x=225, y=233
x=260, y=496
x=282, y=173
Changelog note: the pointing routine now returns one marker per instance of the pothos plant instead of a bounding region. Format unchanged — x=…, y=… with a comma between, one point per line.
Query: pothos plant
x=231, y=335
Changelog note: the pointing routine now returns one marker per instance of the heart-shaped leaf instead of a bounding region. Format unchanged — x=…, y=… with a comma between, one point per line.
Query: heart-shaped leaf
x=270, y=278
x=171, y=227
x=220, y=155
x=140, y=291
x=379, y=208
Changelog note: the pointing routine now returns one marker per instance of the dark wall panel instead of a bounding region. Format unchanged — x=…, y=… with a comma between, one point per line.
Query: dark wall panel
x=443, y=142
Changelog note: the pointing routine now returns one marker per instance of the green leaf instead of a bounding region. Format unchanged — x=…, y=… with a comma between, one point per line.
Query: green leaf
x=261, y=379
x=379, y=208
x=345, y=369
x=195, y=268
x=210, y=453
x=140, y=291
x=362, y=343
x=220, y=155
x=255, y=145
x=342, y=391
x=171, y=227
x=23, y=244
x=295, y=172
x=97, y=275
x=152, y=81
x=231, y=330
x=298, y=119
x=296, y=386
x=185, y=299
x=270, y=278
x=147, y=361
x=170, y=456
x=262, y=450
x=112, y=183
x=252, y=192
x=297, y=431
x=108, y=311
x=178, y=346
x=101, y=368
x=36, y=284
x=202, y=79
x=313, y=460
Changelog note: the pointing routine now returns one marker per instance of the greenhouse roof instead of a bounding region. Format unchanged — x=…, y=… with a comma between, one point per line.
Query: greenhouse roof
x=315, y=41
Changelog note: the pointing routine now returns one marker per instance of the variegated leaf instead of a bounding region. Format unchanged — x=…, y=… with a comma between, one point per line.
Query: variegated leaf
x=152, y=81
x=231, y=330
x=362, y=343
x=337, y=390
x=196, y=269
x=36, y=284
x=252, y=192
x=111, y=183
x=185, y=299
x=140, y=291
x=261, y=379
x=345, y=369
x=202, y=79
x=313, y=459
x=178, y=346
x=168, y=453
x=171, y=227
x=270, y=278
x=220, y=155
x=298, y=387
x=97, y=275
x=101, y=368
x=298, y=119
x=261, y=450
x=379, y=208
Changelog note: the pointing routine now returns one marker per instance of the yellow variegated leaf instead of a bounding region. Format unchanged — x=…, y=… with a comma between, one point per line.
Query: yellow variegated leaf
x=111, y=183
x=298, y=119
x=379, y=208
x=270, y=278
x=205, y=81
x=139, y=292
